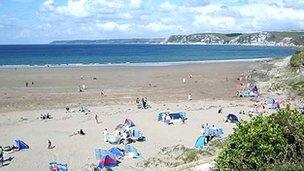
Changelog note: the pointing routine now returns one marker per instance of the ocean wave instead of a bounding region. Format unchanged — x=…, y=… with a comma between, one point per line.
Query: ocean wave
x=148, y=64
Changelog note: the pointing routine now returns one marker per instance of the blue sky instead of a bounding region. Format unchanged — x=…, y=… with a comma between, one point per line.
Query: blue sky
x=42, y=21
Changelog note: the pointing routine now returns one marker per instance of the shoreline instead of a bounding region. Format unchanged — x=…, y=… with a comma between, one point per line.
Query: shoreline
x=144, y=64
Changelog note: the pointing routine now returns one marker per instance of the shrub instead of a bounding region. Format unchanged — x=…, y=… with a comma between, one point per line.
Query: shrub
x=297, y=60
x=264, y=142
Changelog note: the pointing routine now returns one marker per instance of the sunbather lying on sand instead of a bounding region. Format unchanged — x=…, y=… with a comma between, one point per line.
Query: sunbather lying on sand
x=10, y=148
x=80, y=132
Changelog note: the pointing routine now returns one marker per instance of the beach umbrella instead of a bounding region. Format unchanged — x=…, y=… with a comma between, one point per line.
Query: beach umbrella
x=107, y=162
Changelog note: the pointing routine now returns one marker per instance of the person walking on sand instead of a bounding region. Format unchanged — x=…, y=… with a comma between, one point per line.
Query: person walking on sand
x=105, y=135
x=220, y=111
x=96, y=119
x=50, y=145
x=189, y=97
x=26, y=84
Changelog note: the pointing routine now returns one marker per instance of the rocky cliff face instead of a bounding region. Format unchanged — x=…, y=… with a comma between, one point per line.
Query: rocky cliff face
x=261, y=38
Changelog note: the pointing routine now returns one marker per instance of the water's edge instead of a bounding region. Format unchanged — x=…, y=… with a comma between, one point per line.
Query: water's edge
x=147, y=64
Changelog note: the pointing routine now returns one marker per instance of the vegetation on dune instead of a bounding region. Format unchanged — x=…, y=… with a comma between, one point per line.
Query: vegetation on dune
x=288, y=167
x=297, y=60
x=178, y=155
x=298, y=87
x=265, y=143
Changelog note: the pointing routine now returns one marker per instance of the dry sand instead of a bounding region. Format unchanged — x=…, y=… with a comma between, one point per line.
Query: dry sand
x=56, y=88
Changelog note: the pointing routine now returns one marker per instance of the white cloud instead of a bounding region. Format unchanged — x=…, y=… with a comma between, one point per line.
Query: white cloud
x=135, y=4
x=158, y=26
x=81, y=8
x=113, y=26
x=167, y=7
x=126, y=15
x=215, y=23
x=77, y=8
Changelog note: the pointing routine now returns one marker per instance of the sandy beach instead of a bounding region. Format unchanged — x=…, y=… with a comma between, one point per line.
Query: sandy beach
x=57, y=88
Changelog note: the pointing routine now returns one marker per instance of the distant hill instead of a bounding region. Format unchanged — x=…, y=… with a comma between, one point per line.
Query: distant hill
x=261, y=38
x=292, y=38
x=112, y=41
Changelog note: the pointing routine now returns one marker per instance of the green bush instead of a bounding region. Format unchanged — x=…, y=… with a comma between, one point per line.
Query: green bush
x=288, y=167
x=297, y=60
x=264, y=142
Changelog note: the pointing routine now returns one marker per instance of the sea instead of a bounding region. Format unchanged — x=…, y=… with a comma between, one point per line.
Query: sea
x=132, y=54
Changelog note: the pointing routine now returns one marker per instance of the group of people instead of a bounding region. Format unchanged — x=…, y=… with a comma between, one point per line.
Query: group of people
x=142, y=103
x=6, y=149
x=27, y=84
x=166, y=119
x=82, y=88
x=45, y=116
x=122, y=138
x=208, y=132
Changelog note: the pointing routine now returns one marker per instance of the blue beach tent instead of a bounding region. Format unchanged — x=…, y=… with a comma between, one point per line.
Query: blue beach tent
x=107, y=162
x=175, y=116
x=21, y=145
x=232, y=118
x=117, y=152
x=200, y=142
x=100, y=153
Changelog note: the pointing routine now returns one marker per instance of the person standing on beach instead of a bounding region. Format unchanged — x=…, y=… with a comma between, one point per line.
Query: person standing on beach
x=143, y=103
x=189, y=97
x=96, y=119
x=26, y=84
x=50, y=144
x=105, y=135
x=138, y=103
